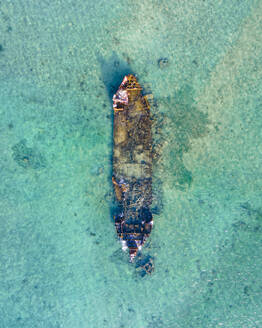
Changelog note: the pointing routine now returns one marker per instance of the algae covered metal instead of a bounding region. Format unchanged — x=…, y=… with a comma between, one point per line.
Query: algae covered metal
x=132, y=165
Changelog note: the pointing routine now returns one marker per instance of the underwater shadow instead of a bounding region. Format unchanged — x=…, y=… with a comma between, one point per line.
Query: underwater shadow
x=113, y=71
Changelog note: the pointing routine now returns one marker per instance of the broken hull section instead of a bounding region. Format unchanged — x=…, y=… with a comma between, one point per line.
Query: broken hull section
x=132, y=165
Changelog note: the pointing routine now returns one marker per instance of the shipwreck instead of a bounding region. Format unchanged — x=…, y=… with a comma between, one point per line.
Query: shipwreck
x=132, y=165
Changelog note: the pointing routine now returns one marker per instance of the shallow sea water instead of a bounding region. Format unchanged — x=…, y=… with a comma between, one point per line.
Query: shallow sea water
x=60, y=262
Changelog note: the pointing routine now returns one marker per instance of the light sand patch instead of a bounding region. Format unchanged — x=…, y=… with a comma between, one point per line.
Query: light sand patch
x=235, y=79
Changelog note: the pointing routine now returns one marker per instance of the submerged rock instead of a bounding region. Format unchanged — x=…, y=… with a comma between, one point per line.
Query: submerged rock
x=163, y=62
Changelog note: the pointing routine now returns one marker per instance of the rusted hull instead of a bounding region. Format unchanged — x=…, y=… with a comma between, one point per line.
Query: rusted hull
x=132, y=165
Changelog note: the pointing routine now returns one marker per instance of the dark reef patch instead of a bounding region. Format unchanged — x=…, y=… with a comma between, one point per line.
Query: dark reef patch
x=250, y=221
x=28, y=157
x=179, y=122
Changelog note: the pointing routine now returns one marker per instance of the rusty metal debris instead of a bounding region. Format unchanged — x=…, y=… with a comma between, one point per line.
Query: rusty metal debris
x=145, y=266
x=132, y=165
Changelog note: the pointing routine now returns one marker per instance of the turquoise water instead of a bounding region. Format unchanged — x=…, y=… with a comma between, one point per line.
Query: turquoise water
x=60, y=262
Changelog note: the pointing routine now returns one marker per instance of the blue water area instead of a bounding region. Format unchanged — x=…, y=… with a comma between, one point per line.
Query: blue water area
x=61, y=264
